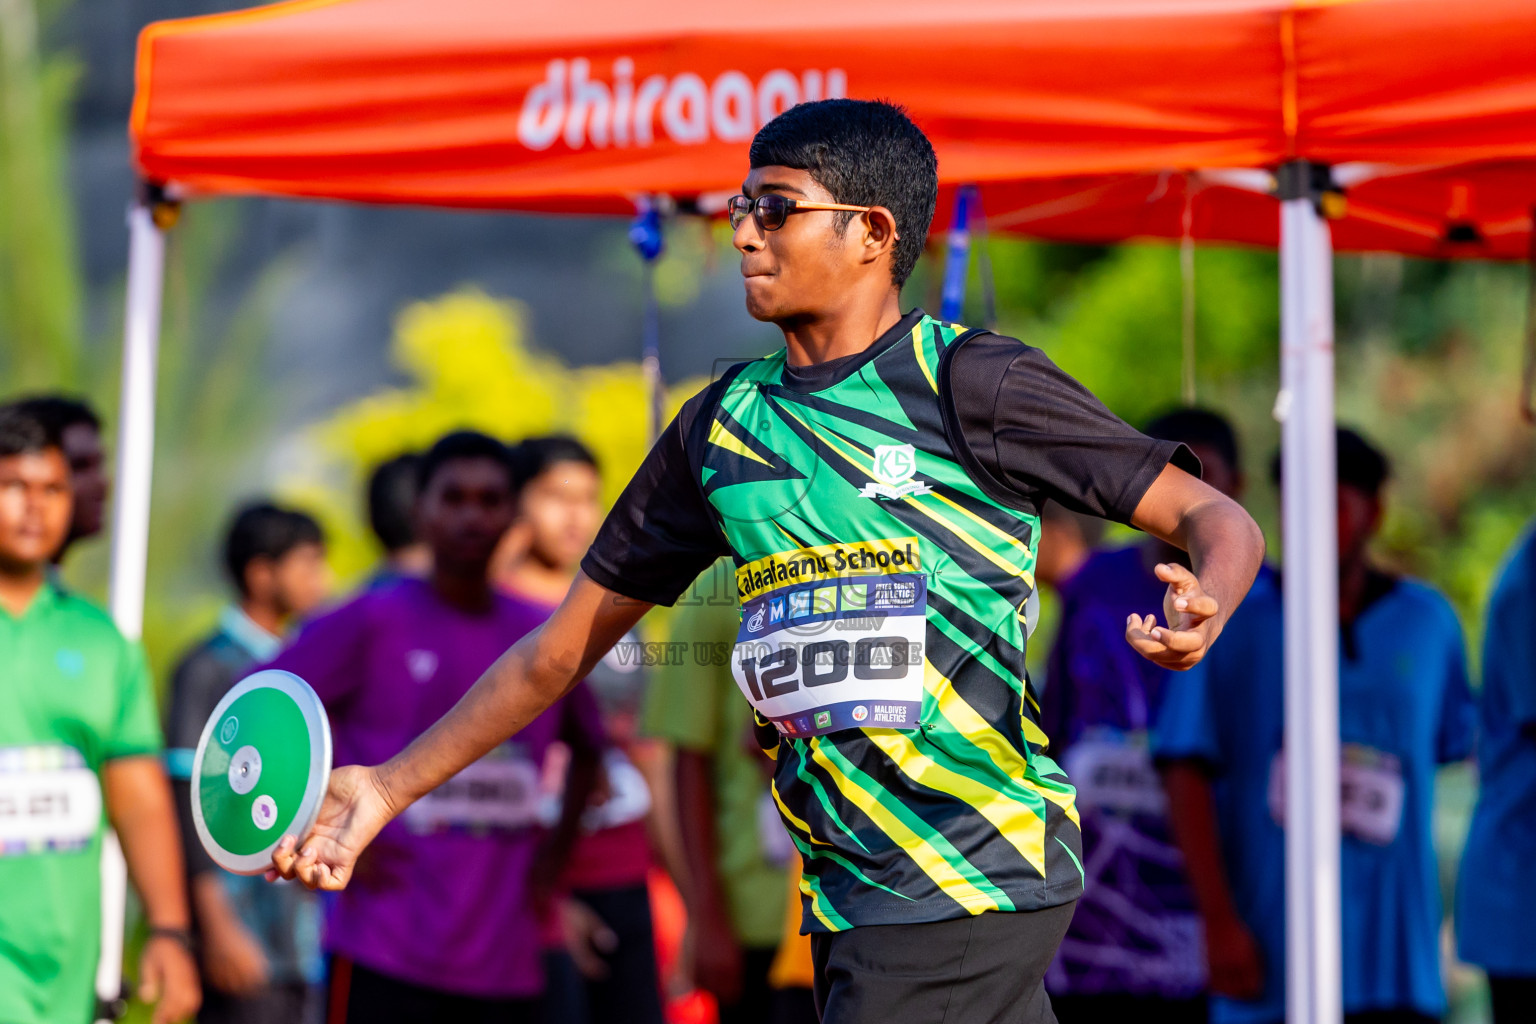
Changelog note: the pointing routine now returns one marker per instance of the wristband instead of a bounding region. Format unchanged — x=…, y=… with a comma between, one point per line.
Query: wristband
x=178, y=935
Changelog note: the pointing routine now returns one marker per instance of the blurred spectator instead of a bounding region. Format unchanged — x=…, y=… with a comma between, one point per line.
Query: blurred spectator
x=739, y=856
x=604, y=972
x=260, y=943
x=441, y=920
x=392, y=515
x=1133, y=949
x=1067, y=538
x=77, y=736
x=75, y=429
x=1496, y=894
x=1404, y=709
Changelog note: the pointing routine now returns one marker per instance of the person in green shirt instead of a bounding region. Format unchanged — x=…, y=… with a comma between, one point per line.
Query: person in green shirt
x=79, y=746
x=737, y=881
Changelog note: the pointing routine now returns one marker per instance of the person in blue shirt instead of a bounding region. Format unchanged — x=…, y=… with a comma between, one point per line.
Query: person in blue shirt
x=1496, y=891
x=1404, y=709
x=1133, y=950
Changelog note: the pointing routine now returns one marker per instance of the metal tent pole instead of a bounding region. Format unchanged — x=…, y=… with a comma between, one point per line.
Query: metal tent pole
x=130, y=517
x=1314, y=988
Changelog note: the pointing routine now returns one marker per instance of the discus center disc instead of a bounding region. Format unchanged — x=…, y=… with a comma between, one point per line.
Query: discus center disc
x=244, y=769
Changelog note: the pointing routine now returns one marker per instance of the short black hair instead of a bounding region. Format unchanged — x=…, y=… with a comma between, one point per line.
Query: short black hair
x=1358, y=463
x=263, y=530
x=391, y=499
x=58, y=412
x=22, y=433
x=533, y=456
x=865, y=153
x=1190, y=425
x=463, y=444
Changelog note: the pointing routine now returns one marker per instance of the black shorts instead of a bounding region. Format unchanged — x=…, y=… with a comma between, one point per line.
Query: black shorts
x=358, y=995
x=986, y=969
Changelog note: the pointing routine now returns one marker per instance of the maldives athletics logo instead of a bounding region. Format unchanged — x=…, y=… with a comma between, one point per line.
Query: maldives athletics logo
x=572, y=105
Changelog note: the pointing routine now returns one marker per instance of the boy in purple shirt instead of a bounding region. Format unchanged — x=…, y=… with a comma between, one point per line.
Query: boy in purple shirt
x=1134, y=945
x=440, y=923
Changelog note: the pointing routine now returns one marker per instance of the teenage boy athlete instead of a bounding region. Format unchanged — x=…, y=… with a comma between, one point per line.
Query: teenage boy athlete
x=878, y=495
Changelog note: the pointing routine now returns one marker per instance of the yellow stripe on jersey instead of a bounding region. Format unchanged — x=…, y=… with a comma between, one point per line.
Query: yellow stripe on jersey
x=922, y=358
x=1017, y=822
x=793, y=818
x=978, y=731
x=719, y=435
x=922, y=852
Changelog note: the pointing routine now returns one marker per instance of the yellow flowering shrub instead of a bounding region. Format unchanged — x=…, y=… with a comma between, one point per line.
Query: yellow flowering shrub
x=470, y=365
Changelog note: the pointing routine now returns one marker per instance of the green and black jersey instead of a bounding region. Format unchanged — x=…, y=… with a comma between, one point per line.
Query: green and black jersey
x=883, y=514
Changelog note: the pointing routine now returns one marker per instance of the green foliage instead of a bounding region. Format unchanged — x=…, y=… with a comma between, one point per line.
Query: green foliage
x=40, y=289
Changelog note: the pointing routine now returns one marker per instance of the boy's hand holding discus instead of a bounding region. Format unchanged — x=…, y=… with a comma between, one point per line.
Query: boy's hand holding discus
x=535, y=673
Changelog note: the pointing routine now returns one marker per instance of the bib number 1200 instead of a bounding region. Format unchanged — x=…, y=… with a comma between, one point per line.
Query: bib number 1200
x=825, y=663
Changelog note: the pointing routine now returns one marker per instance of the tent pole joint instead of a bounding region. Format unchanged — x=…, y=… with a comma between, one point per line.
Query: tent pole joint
x=1304, y=179
x=163, y=207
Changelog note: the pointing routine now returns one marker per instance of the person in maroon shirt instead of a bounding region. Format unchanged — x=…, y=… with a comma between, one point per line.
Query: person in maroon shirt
x=604, y=970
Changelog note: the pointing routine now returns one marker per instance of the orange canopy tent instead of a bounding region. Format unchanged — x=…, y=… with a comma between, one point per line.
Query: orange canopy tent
x=582, y=106
x=1407, y=121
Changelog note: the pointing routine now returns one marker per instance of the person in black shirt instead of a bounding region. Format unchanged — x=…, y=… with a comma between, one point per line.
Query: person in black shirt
x=260, y=946
x=939, y=843
x=392, y=517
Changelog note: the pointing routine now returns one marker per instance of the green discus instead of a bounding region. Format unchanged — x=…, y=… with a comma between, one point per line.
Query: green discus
x=261, y=770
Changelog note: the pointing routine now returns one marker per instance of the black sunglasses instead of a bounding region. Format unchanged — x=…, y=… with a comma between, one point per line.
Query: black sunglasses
x=770, y=209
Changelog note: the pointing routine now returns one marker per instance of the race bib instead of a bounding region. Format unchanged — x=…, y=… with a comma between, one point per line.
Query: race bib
x=832, y=638
x=1115, y=774
x=50, y=802
x=499, y=792
x=1371, y=793
x=629, y=797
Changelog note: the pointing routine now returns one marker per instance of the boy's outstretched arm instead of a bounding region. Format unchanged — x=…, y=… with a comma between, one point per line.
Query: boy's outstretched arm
x=1226, y=548
x=537, y=671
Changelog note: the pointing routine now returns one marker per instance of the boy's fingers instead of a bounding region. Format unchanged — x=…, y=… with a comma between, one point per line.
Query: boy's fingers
x=304, y=866
x=1180, y=641
x=1139, y=634
x=1201, y=606
x=1174, y=573
x=283, y=857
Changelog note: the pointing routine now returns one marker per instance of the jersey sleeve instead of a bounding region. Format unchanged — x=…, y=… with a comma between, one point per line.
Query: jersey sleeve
x=1039, y=434
x=1185, y=729
x=137, y=728
x=662, y=532
x=330, y=652
x=683, y=707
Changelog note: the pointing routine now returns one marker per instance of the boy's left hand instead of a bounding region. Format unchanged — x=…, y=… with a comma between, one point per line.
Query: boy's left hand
x=1190, y=613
